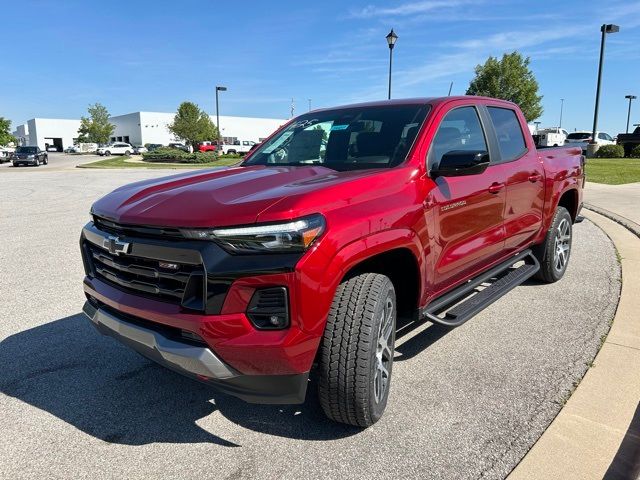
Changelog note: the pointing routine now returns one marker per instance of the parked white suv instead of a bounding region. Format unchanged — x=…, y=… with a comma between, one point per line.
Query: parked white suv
x=581, y=139
x=240, y=146
x=115, y=149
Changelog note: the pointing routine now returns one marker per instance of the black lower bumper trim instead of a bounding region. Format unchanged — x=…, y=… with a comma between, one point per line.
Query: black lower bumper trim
x=266, y=389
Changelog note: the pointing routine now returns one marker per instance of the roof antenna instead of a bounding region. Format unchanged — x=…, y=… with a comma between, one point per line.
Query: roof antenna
x=450, y=87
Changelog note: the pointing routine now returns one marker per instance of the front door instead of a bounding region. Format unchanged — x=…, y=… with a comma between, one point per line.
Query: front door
x=464, y=214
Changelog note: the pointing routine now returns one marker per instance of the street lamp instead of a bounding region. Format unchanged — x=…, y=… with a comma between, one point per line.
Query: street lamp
x=561, y=108
x=391, y=41
x=218, y=89
x=537, y=124
x=605, y=29
x=630, y=97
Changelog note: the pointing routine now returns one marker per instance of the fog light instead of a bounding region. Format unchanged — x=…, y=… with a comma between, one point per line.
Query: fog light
x=269, y=308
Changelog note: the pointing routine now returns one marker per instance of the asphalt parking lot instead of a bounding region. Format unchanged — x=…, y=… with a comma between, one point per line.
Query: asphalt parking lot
x=57, y=161
x=465, y=403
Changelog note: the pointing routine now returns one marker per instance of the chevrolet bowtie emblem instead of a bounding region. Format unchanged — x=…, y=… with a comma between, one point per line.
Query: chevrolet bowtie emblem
x=115, y=245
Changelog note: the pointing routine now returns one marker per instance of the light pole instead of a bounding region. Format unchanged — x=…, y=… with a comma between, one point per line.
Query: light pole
x=605, y=29
x=218, y=89
x=630, y=97
x=309, y=104
x=391, y=41
x=537, y=124
x=561, y=108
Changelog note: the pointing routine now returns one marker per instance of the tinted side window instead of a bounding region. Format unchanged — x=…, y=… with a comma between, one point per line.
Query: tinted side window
x=510, y=137
x=460, y=129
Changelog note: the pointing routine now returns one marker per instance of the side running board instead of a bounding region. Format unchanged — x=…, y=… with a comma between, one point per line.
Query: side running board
x=452, y=310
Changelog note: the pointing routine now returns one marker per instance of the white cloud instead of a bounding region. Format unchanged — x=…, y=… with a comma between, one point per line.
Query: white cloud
x=411, y=8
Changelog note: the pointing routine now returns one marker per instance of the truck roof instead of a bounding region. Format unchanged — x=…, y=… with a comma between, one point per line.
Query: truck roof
x=417, y=101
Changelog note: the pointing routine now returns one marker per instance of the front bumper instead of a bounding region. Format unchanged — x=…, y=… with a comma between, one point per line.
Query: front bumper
x=25, y=161
x=198, y=362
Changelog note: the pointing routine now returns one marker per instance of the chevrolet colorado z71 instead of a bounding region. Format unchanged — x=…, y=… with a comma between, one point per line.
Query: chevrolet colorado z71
x=301, y=258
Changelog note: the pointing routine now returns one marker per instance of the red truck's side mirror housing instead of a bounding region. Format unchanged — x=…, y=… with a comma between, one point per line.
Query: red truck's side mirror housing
x=457, y=163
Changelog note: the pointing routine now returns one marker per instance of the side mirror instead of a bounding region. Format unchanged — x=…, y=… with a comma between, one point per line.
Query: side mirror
x=457, y=163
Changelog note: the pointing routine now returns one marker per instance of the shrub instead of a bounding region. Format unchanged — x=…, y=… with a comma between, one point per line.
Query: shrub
x=610, y=151
x=174, y=155
x=164, y=154
x=200, y=157
x=635, y=152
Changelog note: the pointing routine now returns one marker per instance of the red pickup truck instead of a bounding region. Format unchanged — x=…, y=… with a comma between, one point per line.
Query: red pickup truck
x=301, y=259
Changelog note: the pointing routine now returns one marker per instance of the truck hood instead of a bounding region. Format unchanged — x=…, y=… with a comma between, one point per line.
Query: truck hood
x=209, y=198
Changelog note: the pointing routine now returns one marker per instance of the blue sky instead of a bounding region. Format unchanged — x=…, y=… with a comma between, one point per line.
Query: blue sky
x=151, y=55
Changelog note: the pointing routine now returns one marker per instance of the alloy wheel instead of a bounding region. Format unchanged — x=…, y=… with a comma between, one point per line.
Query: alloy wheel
x=384, y=351
x=562, y=246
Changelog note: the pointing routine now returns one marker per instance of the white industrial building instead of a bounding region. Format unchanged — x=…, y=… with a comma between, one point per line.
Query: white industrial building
x=45, y=132
x=139, y=128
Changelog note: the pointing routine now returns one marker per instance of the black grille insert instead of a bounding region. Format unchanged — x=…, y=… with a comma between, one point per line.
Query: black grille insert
x=143, y=276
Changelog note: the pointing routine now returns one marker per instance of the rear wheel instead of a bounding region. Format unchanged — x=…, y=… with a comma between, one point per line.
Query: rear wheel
x=553, y=254
x=127, y=153
x=357, y=350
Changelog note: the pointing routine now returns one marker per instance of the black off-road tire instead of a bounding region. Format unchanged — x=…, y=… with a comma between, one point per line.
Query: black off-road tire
x=546, y=252
x=349, y=364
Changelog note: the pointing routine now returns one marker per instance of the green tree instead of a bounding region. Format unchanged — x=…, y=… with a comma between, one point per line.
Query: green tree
x=509, y=79
x=5, y=132
x=95, y=128
x=192, y=125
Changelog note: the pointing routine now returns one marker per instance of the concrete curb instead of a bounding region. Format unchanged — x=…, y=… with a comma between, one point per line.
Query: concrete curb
x=597, y=433
x=625, y=222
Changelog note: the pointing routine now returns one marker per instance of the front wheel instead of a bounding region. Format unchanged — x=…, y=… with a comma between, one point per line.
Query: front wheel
x=553, y=254
x=357, y=350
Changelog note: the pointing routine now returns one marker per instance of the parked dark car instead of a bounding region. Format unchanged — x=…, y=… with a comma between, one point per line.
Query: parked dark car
x=179, y=146
x=30, y=156
x=154, y=146
x=629, y=141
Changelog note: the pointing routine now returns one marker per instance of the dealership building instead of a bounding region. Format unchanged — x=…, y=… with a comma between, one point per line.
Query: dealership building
x=139, y=128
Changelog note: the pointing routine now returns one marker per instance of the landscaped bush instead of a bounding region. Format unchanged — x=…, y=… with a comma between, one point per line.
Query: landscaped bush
x=635, y=152
x=164, y=154
x=174, y=155
x=610, y=151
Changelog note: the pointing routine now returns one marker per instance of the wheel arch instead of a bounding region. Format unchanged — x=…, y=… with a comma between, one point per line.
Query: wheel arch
x=397, y=254
x=569, y=200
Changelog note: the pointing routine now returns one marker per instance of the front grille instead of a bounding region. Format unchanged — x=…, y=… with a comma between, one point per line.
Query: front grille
x=168, y=281
x=135, y=230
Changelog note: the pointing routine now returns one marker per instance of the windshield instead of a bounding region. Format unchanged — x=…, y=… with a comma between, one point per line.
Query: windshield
x=345, y=139
x=29, y=150
x=578, y=136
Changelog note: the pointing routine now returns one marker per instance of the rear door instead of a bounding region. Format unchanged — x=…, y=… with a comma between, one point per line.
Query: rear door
x=524, y=176
x=465, y=213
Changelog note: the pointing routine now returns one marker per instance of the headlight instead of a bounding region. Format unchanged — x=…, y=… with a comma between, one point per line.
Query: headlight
x=295, y=236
